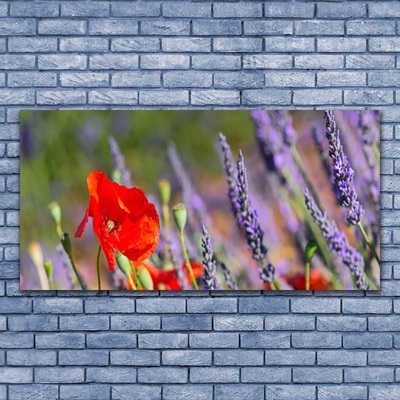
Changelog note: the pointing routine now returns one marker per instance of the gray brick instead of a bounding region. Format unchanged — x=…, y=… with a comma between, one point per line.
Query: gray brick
x=342, y=358
x=36, y=9
x=59, y=375
x=111, y=340
x=13, y=151
x=135, y=322
x=215, y=62
x=239, y=392
x=135, y=44
x=163, y=340
x=84, y=323
x=289, y=392
x=239, y=10
x=386, y=323
x=34, y=79
x=384, y=10
x=194, y=45
x=260, y=97
x=181, y=9
x=85, y=9
x=109, y=306
x=163, y=375
x=216, y=27
x=32, y=323
x=321, y=340
x=129, y=9
x=62, y=61
x=113, y=27
x=364, y=27
x=286, y=45
x=113, y=61
x=265, y=340
x=164, y=61
x=57, y=306
x=13, y=181
x=136, y=392
x=186, y=323
x=387, y=168
x=264, y=61
x=186, y=357
x=366, y=306
x=268, y=305
x=268, y=27
x=83, y=357
x=387, y=44
x=109, y=96
x=313, y=375
x=341, y=323
x=290, y=357
x=319, y=61
x=316, y=27
x=156, y=98
x=342, y=78
x=165, y=28
x=16, y=375
x=344, y=392
x=64, y=97
x=370, y=61
x=238, y=357
x=31, y=45
x=240, y=323
x=237, y=45
x=213, y=305
x=214, y=340
x=61, y=27
x=135, y=357
x=88, y=45
x=384, y=357
x=289, y=79
x=317, y=96
x=345, y=10
x=31, y=357
x=98, y=392
x=110, y=375
x=341, y=45
x=215, y=97
x=368, y=374
x=289, y=323
x=325, y=306
x=16, y=340
x=83, y=79
x=288, y=10
x=37, y=392
x=17, y=305
x=261, y=375
x=368, y=97
x=179, y=392
x=186, y=79
x=17, y=61
x=367, y=341
x=19, y=26
x=382, y=79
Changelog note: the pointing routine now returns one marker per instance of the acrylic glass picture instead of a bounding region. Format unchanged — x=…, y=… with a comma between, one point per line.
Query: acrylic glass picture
x=200, y=200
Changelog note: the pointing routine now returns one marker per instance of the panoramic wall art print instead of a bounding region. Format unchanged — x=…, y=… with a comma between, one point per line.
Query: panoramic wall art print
x=200, y=200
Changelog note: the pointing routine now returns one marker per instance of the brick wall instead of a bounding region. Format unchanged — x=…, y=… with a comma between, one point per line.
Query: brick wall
x=157, y=54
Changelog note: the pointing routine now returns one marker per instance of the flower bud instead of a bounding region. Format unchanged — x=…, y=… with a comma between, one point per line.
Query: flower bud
x=35, y=251
x=164, y=189
x=123, y=263
x=66, y=242
x=180, y=216
x=145, y=278
x=311, y=248
x=48, y=266
x=55, y=212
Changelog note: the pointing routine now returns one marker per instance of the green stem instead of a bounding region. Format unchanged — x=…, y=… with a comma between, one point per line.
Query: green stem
x=165, y=212
x=51, y=283
x=376, y=152
x=76, y=272
x=308, y=276
x=368, y=242
x=189, y=266
x=138, y=284
x=98, y=268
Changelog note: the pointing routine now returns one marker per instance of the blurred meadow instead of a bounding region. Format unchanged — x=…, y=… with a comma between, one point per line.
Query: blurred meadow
x=59, y=149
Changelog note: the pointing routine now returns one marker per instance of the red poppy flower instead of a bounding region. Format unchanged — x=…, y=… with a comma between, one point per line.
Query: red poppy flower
x=123, y=219
x=318, y=281
x=167, y=279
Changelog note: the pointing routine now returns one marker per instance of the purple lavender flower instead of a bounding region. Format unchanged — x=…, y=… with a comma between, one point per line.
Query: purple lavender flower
x=338, y=242
x=342, y=172
x=211, y=282
x=228, y=277
x=119, y=162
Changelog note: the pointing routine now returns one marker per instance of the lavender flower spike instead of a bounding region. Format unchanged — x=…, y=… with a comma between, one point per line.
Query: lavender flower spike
x=119, y=162
x=249, y=223
x=342, y=172
x=228, y=277
x=211, y=282
x=338, y=242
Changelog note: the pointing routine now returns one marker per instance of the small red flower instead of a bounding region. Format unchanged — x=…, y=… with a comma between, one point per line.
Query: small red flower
x=318, y=281
x=167, y=279
x=123, y=219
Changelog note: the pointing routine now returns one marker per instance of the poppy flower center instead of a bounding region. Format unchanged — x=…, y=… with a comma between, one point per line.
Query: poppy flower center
x=111, y=225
